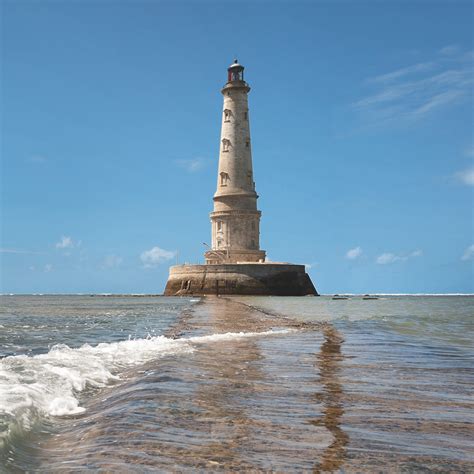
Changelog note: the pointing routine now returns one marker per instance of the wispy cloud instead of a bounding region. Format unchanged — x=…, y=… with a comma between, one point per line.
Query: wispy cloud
x=7, y=250
x=48, y=268
x=450, y=50
x=468, y=56
x=354, y=253
x=466, y=176
x=391, y=76
x=444, y=98
x=112, y=261
x=155, y=256
x=191, y=165
x=388, y=257
x=38, y=159
x=416, y=91
x=66, y=242
x=468, y=253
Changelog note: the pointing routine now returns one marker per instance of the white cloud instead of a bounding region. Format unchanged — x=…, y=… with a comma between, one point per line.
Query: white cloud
x=191, y=165
x=468, y=253
x=48, y=268
x=388, y=257
x=466, y=177
x=155, y=256
x=65, y=243
x=112, y=261
x=354, y=253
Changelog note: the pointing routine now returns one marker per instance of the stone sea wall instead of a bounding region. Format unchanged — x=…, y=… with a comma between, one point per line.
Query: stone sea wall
x=240, y=279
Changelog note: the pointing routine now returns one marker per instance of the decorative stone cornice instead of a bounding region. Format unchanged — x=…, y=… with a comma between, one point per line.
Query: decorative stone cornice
x=233, y=212
x=234, y=194
x=236, y=85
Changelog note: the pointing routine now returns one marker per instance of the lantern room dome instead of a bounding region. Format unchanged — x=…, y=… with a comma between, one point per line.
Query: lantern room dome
x=235, y=64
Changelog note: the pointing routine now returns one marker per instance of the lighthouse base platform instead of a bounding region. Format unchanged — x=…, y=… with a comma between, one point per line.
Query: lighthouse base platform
x=265, y=279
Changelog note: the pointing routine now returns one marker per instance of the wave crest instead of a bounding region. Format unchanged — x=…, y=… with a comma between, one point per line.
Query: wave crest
x=49, y=384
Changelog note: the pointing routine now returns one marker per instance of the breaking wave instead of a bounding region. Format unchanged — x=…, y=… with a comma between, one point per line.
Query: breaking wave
x=34, y=387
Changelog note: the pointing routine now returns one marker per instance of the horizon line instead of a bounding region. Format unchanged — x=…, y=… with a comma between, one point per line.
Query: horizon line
x=190, y=296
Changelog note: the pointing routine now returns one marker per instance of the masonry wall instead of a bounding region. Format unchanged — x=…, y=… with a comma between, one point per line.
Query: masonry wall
x=235, y=221
x=240, y=279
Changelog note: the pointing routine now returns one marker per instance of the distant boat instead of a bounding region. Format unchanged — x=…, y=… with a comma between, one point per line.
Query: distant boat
x=368, y=297
x=340, y=297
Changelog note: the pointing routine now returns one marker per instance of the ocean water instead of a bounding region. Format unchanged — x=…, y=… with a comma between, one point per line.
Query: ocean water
x=136, y=384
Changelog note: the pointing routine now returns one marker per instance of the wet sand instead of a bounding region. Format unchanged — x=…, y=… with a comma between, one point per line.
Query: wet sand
x=304, y=400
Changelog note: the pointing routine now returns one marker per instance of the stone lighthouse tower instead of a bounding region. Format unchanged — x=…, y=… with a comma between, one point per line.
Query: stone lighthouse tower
x=235, y=265
x=235, y=221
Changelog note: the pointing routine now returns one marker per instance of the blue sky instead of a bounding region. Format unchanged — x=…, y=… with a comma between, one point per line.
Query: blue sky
x=362, y=135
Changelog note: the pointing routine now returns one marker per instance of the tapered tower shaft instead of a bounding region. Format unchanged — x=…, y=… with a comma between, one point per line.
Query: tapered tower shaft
x=235, y=220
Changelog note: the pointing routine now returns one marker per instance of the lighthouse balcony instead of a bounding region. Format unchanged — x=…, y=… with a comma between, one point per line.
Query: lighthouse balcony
x=235, y=192
x=219, y=257
x=236, y=85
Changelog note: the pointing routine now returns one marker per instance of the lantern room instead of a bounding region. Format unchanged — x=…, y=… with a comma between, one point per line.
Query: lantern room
x=235, y=72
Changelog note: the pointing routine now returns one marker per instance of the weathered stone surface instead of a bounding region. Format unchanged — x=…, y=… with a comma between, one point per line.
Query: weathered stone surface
x=235, y=221
x=272, y=279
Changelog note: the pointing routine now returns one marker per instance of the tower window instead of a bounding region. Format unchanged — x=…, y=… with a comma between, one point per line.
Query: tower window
x=226, y=144
x=224, y=178
x=247, y=143
x=246, y=115
x=219, y=225
x=227, y=115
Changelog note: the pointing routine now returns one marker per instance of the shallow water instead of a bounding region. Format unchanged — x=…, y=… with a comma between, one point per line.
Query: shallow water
x=136, y=384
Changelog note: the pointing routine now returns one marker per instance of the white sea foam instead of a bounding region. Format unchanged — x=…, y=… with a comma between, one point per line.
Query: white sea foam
x=49, y=384
x=400, y=294
x=234, y=335
x=424, y=294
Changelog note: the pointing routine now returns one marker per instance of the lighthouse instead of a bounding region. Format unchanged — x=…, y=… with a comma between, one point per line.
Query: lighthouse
x=235, y=220
x=235, y=264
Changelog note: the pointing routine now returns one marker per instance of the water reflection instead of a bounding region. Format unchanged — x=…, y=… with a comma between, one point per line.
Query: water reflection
x=328, y=361
x=232, y=374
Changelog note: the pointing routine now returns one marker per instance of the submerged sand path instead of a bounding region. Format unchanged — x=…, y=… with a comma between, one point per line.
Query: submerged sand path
x=269, y=402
